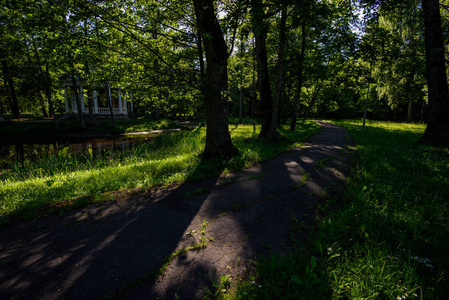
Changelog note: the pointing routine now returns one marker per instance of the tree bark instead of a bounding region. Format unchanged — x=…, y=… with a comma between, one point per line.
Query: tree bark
x=437, y=128
x=199, y=43
x=41, y=80
x=273, y=133
x=300, y=77
x=240, y=85
x=260, y=32
x=42, y=103
x=9, y=84
x=90, y=94
x=218, y=139
x=410, y=109
x=47, y=84
x=77, y=100
x=111, y=111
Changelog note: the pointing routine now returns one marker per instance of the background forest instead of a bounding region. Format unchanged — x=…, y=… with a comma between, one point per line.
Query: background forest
x=325, y=59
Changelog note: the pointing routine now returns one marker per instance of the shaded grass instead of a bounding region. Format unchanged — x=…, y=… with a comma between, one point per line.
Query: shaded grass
x=388, y=237
x=168, y=159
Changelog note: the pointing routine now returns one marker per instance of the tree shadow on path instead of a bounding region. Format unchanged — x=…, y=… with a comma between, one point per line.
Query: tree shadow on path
x=88, y=254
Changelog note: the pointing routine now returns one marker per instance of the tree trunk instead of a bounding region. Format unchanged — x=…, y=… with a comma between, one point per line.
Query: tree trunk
x=78, y=101
x=240, y=104
x=438, y=115
x=199, y=43
x=300, y=77
x=9, y=85
x=273, y=132
x=108, y=88
x=47, y=84
x=40, y=80
x=253, y=89
x=42, y=103
x=90, y=94
x=260, y=32
x=422, y=116
x=410, y=109
x=218, y=139
x=240, y=85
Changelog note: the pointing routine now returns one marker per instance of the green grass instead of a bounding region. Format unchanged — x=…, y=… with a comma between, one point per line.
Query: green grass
x=31, y=188
x=388, y=236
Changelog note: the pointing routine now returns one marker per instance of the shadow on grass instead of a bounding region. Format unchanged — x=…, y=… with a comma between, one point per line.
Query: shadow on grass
x=394, y=218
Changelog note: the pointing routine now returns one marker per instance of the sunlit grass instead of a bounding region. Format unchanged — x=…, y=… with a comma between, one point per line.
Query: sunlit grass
x=388, y=238
x=168, y=159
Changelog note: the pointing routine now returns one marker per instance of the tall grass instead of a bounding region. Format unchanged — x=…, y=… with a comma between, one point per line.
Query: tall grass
x=388, y=237
x=170, y=158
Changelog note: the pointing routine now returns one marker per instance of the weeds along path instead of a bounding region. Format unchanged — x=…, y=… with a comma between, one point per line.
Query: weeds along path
x=176, y=242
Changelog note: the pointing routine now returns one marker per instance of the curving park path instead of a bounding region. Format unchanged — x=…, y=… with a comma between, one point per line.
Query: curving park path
x=215, y=227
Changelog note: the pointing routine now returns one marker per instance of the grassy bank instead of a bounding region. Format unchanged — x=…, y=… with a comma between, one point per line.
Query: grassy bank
x=387, y=239
x=75, y=180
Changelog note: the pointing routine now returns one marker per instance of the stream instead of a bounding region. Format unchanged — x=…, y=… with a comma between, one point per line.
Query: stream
x=17, y=150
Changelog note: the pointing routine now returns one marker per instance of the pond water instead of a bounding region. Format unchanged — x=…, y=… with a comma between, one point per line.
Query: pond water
x=17, y=150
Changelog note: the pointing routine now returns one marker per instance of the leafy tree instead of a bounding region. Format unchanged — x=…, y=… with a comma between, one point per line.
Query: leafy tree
x=263, y=77
x=218, y=139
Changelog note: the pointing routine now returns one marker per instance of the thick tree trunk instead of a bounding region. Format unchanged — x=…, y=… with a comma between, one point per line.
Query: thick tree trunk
x=218, y=139
x=438, y=115
x=273, y=133
x=260, y=32
x=9, y=84
x=300, y=77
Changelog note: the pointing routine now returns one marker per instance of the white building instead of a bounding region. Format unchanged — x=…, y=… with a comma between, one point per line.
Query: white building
x=122, y=102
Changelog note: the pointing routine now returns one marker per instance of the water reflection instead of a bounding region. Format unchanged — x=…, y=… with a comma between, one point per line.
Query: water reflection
x=17, y=150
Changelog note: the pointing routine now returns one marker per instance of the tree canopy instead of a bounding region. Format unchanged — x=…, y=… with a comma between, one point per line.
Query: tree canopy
x=282, y=58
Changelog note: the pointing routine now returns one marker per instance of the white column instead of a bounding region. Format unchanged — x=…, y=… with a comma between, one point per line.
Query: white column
x=119, y=101
x=66, y=100
x=82, y=99
x=130, y=94
x=95, y=102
